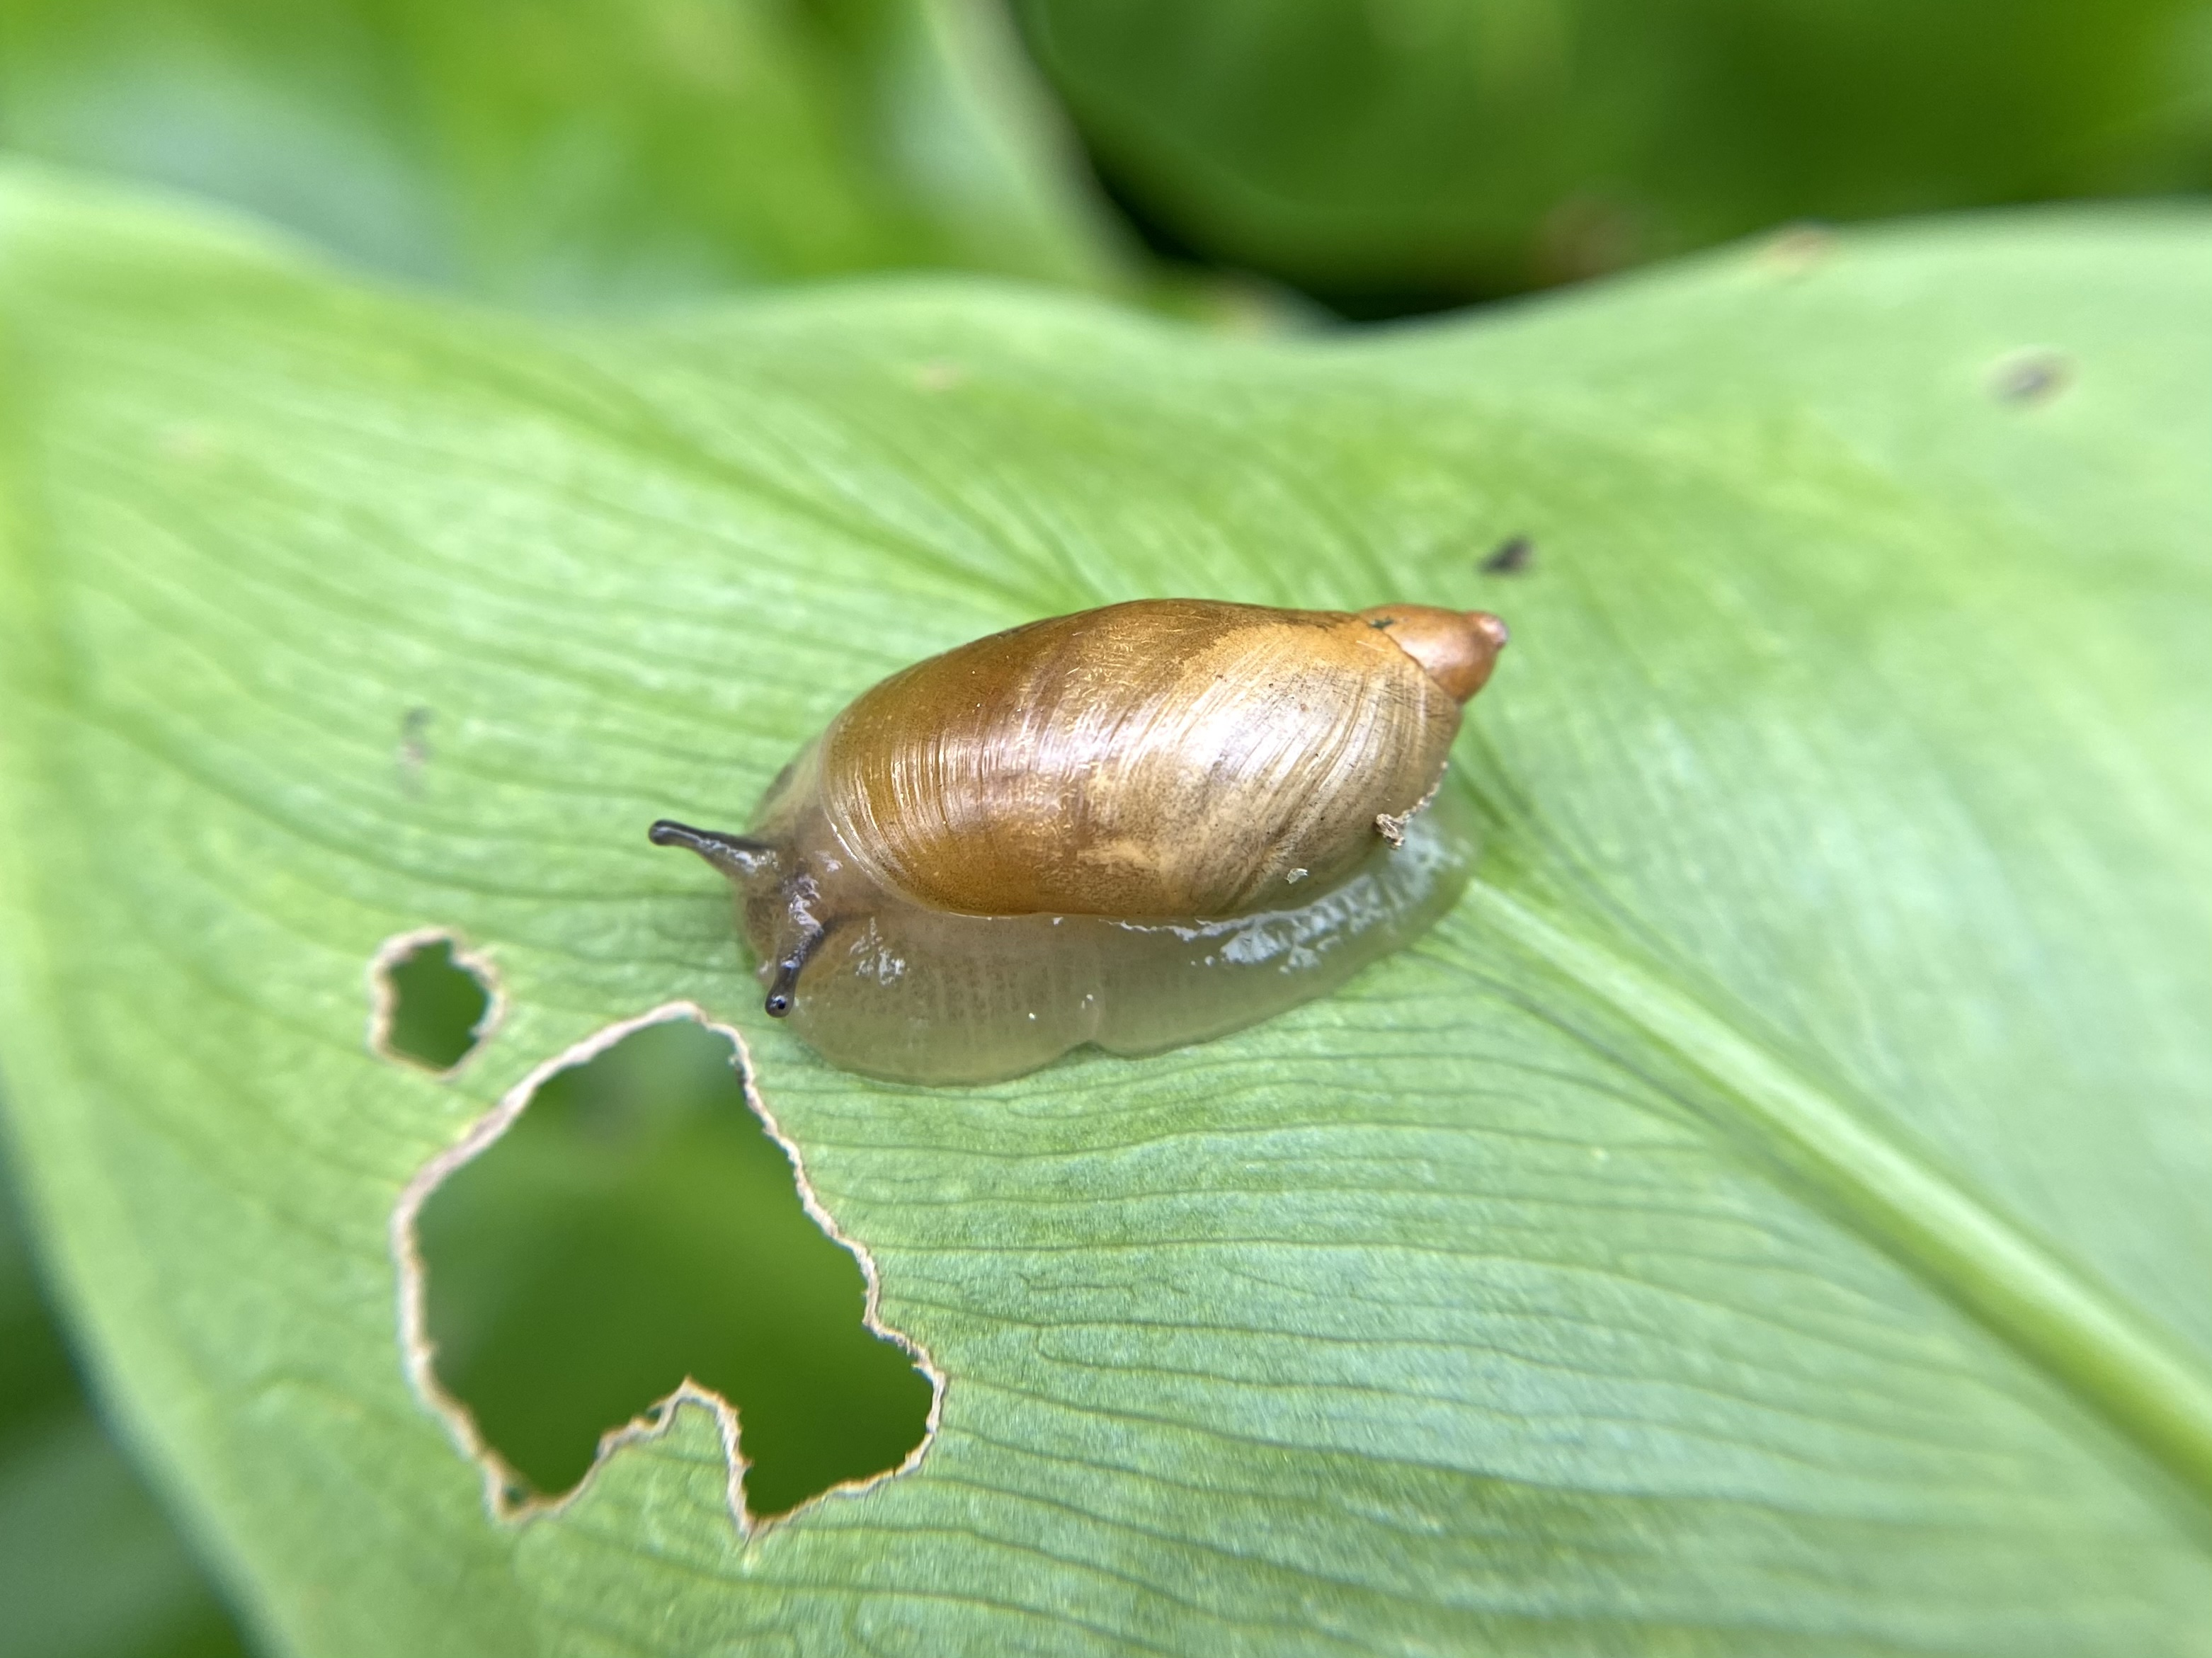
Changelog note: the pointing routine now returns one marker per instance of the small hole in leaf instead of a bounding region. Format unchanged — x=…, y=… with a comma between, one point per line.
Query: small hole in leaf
x=435, y=1005
x=635, y=1226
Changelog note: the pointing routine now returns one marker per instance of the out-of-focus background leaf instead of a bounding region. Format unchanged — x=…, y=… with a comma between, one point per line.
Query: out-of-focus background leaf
x=1765, y=1218
x=89, y=1566
x=579, y=153
x=1388, y=153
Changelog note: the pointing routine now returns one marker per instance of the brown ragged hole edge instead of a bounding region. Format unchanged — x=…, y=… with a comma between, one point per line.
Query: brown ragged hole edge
x=384, y=1001
x=419, y=1355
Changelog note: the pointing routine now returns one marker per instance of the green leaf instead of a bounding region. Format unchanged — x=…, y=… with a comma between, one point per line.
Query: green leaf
x=90, y=1567
x=1765, y=1217
x=1382, y=153
x=578, y=153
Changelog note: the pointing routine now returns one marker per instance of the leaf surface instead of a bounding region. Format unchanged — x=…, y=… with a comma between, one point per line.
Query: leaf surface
x=1765, y=1217
x=90, y=1567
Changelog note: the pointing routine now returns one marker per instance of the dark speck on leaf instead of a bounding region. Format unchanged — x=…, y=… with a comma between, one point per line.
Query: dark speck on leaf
x=1798, y=248
x=414, y=747
x=1511, y=557
x=2031, y=377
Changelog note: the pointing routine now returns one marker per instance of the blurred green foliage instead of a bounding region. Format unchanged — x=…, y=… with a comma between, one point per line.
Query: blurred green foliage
x=1390, y=154
x=577, y=152
x=637, y=1226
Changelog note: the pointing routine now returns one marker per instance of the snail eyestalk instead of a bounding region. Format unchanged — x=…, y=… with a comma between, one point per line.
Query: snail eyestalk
x=785, y=989
x=738, y=856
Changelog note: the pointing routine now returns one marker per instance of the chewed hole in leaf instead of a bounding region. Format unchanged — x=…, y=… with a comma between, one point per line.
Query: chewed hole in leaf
x=635, y=1227
x=433, y=1003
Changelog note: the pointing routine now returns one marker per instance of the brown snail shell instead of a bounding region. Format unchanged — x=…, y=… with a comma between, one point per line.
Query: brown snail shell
x=1139, y=826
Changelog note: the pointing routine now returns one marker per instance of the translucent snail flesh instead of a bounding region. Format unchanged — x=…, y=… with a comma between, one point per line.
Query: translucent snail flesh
x=1139, y=826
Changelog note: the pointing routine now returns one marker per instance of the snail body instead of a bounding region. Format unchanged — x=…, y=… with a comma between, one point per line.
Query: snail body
x=1139, y=826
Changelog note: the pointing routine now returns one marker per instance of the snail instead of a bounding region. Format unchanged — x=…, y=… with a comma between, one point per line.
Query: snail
x=1140, y=826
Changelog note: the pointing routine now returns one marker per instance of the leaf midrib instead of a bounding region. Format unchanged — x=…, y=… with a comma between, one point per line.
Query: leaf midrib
x=2076, y=1328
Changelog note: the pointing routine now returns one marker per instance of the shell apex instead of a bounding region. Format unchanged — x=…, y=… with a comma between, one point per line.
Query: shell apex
x=1457, y=648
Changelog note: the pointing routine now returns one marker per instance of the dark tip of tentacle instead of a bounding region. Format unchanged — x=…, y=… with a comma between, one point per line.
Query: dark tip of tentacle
x=780, y=993
x=785, y=989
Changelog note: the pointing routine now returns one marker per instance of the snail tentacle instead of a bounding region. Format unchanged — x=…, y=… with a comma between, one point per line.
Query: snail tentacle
x=783, y=991
x=738, y=855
